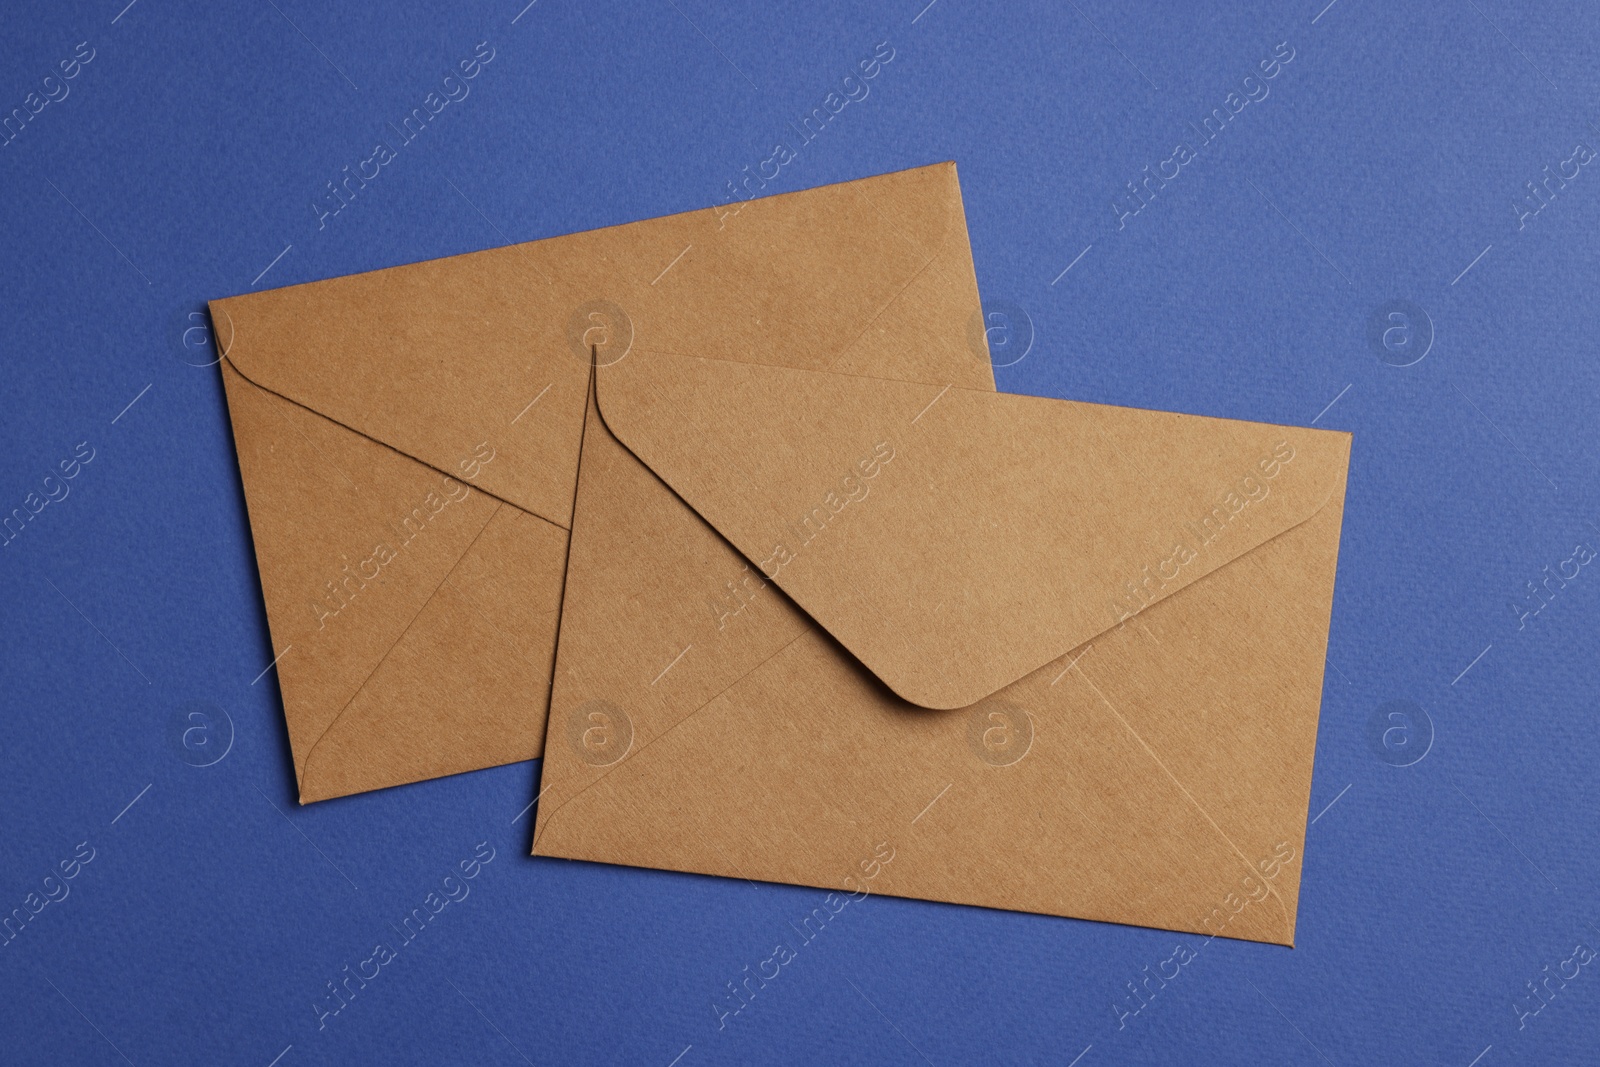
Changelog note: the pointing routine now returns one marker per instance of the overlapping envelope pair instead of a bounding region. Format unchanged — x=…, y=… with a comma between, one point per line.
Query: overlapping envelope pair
x=721, y=513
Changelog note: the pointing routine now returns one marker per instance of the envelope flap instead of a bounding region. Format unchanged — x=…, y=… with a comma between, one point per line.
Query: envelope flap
x=956, y=540
x=437, y=360
x=351, y=539
x=489, y=351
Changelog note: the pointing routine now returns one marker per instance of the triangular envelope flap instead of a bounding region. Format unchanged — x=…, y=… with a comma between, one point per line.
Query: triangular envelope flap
x=437, y=359
x=956, y=540
x=351, y=540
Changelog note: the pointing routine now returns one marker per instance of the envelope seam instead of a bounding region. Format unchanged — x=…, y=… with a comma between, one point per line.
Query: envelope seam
x=283, y=417
x=1339, y=485
x=544, y=822
x=384, y=444
x=1187, y=795
x=876, y=315
x=396, y=644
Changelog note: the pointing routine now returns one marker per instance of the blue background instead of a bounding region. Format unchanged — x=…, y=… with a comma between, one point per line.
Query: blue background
x=1384, y=165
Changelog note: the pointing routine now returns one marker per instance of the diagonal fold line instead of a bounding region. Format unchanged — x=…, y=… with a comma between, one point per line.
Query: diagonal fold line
x=546, y=821
x=1309, y=514
x=312, y=751
x=474, y=486
x=872, y=320
x=1282, y=907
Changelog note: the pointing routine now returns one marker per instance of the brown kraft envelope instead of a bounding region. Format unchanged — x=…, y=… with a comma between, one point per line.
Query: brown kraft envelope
x=893, y=632
x=408, y=441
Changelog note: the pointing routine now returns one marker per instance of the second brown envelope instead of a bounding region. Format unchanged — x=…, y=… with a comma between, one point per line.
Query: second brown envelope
x=408, y=441
x=914, y=637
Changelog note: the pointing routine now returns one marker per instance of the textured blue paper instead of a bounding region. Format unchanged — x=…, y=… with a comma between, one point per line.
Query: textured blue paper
x=1385, y=162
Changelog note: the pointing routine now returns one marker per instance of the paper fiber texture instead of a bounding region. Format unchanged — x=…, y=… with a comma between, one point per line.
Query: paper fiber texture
x=1049, y=656
x=408, y=440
